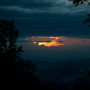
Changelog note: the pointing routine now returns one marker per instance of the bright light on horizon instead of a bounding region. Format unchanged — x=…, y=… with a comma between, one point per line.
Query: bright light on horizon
x=47, y=41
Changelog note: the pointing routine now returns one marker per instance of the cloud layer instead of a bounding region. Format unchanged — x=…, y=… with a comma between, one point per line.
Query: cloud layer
x=46, y=16
x=41, y=6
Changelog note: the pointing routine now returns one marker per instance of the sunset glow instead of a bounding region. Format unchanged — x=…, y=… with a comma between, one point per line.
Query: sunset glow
x=47, y=41
x=49, y=44
x=54, y=41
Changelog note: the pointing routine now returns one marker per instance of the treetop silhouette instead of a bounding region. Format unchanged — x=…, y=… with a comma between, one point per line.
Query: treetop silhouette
x=77, y=2
x=10, y=52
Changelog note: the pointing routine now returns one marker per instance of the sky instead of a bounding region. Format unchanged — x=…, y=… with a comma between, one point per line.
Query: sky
x=46, y=17
x=50, y=17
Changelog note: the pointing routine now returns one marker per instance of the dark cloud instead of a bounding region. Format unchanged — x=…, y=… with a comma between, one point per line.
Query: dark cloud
x=26, y=3
x=45, y=17
x=9, y=2
x=54, y=26
x=10, y=13
x=35, y=4
x=42, y=6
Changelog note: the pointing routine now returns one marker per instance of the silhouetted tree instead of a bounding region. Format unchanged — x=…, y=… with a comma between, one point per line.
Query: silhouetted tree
x=87, y=20
x=9, y=51
x=10, y=60
x=8, y=36
x=77, y=2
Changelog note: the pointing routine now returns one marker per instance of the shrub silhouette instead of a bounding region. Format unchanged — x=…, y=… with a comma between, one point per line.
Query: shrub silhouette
x=81, y=83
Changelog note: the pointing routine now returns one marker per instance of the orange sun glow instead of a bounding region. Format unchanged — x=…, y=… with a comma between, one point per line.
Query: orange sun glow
x=53, y=41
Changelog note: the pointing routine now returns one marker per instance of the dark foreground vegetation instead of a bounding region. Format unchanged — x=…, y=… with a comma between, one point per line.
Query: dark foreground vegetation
x=10, y=60
x=14, y=70
x=17, y=72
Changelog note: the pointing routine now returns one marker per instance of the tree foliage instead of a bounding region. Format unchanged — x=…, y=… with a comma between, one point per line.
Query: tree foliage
x=10, y=59
x=10, y=52
x=77, y=2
